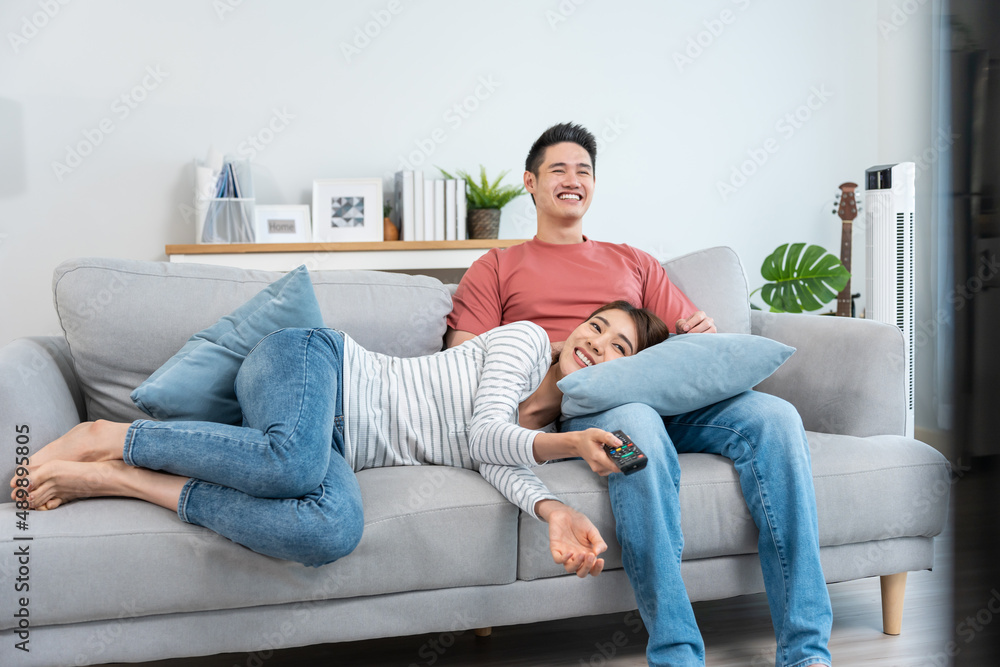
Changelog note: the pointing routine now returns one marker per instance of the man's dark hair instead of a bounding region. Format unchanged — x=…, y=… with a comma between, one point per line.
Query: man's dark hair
x=558, y=134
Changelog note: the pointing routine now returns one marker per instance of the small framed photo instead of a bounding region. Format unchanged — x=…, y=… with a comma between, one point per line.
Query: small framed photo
x=283, y=224
x=347, y=209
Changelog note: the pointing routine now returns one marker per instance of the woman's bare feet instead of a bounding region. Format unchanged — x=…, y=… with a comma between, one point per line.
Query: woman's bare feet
x=58, y=482
x=88, y=442
x=55, y=483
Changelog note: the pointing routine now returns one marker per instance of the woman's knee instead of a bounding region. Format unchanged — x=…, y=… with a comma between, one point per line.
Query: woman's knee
x=272, y=354
x=295, y=476
x=337, y=536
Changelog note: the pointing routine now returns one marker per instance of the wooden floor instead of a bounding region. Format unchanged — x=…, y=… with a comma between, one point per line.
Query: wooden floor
x=737, y=633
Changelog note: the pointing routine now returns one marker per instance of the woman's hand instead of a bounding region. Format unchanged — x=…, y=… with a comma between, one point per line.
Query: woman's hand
x=588, y=445
x=574, y=541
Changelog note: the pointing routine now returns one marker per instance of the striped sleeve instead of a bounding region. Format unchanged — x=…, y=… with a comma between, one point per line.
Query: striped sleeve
x=518, y=484
x=513, y=367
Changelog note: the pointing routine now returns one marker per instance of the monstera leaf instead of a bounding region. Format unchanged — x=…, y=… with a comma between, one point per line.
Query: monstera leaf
x=801, y=280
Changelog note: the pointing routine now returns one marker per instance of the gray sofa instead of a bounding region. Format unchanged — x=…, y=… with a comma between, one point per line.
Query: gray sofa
x=122, y=580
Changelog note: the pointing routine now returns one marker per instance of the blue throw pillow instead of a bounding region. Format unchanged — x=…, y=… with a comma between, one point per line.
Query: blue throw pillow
x=681, y=374
x=197, y=383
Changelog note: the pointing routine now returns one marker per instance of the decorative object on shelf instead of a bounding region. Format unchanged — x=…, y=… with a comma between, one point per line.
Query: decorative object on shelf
x=229, y=212
x=283, y=224
x=347, y=209
x=800, y=281
x=389, y=231
x=428, y=210
x=484, y=200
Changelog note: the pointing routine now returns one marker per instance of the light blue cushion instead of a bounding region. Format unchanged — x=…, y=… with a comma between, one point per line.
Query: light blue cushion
x=681, y=374
x=197, y=383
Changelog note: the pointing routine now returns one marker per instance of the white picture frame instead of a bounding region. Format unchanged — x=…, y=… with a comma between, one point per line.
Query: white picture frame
x=347, y=210
x=286, y=223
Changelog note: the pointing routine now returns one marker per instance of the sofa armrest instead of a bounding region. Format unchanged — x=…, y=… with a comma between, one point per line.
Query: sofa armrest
x=38, y=393
x=847, y=375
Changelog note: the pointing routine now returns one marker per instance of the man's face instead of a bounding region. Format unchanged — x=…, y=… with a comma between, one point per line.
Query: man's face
x=565, y=182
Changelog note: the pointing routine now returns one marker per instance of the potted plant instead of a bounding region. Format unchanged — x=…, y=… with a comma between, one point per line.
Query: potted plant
x=800, y=281
x=389, y=230
x=485, y=199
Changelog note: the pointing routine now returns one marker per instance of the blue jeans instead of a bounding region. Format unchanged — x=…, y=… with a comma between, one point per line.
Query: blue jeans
x=764, y=437
x=279, y=484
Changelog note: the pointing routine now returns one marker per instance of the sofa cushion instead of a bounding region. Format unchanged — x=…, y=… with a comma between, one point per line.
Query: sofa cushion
x=714, y=280
x=661, y=376
x=198, y=383
x=426, y=527
x=123, y=319
x=867, y=489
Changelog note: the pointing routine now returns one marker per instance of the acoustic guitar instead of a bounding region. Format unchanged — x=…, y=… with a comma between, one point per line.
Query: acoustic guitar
x=847, y=211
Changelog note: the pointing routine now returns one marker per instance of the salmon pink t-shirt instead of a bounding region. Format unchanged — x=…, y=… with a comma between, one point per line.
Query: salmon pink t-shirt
x=558, y=285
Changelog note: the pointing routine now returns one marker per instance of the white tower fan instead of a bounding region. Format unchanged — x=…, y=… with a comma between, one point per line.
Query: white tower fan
x=889, y=277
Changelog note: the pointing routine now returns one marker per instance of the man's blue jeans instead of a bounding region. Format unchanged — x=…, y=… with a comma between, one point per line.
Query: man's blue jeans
x=764, y=437
x=279, y=484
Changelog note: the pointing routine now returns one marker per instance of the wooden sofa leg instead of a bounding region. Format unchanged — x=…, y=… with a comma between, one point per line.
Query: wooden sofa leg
x=893, y=588
x=483, y=632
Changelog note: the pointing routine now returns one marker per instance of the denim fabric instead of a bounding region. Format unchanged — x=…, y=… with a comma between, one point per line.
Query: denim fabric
x=764, y=438
x=279, y=484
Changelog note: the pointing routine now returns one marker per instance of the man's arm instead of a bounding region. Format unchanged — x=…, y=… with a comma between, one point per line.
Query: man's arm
x=454, y=337
x=665, y=299
x=476, y=303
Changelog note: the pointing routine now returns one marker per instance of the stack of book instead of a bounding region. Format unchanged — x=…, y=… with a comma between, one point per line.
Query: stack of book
x=429, y=210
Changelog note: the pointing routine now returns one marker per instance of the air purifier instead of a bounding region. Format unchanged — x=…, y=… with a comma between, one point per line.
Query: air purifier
x=889, y=277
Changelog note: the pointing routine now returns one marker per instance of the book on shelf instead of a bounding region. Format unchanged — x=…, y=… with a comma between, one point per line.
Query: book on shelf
x=416, y=230
x=428, y=210
x=461, y=208
x=450, y=214
x=438, y=210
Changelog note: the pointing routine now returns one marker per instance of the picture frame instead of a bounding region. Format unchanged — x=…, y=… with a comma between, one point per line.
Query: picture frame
x=347, y=210
x=287, y=223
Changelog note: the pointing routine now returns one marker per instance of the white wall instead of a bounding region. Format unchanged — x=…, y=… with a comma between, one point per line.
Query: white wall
x=673, y=132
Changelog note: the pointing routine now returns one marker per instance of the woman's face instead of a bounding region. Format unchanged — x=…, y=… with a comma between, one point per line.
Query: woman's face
x=607, y=335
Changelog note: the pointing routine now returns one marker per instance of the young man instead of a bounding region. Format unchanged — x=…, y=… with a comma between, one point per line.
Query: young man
x=560, y=275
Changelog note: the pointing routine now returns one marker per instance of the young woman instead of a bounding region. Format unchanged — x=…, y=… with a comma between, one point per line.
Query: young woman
x=317, y=407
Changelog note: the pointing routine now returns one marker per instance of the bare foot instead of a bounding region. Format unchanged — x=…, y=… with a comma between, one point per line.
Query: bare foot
x=91, y=441
x=58, y=482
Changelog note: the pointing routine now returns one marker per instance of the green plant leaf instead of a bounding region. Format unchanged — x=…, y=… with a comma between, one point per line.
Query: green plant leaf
x=801, y=278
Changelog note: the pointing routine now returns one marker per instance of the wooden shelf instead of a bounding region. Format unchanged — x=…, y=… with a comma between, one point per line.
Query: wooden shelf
x=236, y=248
x=393, y=255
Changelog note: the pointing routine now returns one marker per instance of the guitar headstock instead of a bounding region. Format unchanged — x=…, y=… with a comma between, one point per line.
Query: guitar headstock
x=848, y=208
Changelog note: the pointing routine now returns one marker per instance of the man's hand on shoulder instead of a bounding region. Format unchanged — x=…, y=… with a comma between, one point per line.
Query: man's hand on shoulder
x=699, y=322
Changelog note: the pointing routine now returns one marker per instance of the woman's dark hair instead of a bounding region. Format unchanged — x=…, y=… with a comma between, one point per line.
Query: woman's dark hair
x=649, y=328
x=557, y=134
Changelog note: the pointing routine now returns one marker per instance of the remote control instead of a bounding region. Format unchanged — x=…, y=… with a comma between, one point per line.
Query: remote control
x=628, y=457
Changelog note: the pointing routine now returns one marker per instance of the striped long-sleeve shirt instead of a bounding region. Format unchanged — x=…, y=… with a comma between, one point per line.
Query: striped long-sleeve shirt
x=456, y=408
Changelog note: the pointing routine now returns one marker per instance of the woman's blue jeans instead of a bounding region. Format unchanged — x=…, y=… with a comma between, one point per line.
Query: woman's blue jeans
x=764, y=438
x=279, y=484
